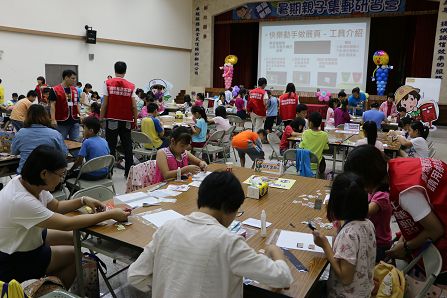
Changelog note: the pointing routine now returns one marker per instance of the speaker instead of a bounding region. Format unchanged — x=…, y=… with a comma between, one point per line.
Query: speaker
x=91, y=36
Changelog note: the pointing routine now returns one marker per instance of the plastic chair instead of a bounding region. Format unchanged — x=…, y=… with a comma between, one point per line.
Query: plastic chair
x=92, y=165
x=210, y=149
x=431, y=152
x=237, y=122
x=290, y=156
x=432, y=265
x=274, y=142
x=140, y=139
x=430, y=144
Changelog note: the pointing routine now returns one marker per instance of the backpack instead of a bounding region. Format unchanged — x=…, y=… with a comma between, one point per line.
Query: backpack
x=389, y=281
x=12, y=289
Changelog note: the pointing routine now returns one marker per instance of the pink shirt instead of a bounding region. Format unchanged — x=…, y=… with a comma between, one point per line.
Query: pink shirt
x=330, y=117
x=384, y=107
x=240, y=104
x=173, y=163
x=381, y=219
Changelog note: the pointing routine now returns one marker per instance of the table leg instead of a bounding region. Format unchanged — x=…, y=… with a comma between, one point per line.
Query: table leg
x=78, y=259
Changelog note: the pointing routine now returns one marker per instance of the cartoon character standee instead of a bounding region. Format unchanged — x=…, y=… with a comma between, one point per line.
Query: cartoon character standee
x=408, y=97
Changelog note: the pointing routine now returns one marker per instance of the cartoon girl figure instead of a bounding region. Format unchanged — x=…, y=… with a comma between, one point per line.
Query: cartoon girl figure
x=408, y=97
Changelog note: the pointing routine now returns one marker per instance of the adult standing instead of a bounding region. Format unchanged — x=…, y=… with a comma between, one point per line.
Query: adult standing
x=120, y=110
x=64, y=108
x=287, y=104
x=39, y=87
x=256, y=106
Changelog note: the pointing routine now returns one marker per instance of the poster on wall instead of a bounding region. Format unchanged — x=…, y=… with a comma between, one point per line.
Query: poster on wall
x=316, y=8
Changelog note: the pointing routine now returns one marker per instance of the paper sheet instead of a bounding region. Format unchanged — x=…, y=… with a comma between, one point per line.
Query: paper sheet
x=195, y=183
x=300, y=241
x=178, y=187
x=126, y=198
x=160, y=218
x=274, y=182
x=163, y=193
x=255, y=223
x=148, y=200
x=200, y=176
x=352, y=132
x=326, y=199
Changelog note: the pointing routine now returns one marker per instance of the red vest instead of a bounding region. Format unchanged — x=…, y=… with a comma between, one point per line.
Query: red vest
x=429, y=175
x=63, y=107
x=119, y=106
x=256, y=102
x=287, y=106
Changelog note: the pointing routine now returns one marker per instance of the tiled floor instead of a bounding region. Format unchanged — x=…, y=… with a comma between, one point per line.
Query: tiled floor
x=439, y=137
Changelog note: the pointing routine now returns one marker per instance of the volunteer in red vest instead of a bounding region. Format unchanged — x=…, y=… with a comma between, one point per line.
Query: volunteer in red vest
x=64, y=108
x=119, y=108
x=39, y=87
x=287, y=104
x=418, y=194
x=256, y=106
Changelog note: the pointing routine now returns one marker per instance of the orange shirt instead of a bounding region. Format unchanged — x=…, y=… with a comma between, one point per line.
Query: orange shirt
x=240, y=141
x=20, y=109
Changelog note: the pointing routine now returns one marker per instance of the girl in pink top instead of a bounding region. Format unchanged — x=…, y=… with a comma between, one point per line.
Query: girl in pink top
x=200, y=98
x=330, y=113
x=175, y=156
x=341, y=114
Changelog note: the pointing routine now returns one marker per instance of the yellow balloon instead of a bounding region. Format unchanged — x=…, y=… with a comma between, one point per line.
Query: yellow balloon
x=232, y=59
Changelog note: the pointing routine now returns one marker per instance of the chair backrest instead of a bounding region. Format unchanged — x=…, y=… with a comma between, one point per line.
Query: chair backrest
x=229, y=134
x=99, y=192
x=140, y=138
x=216, y=136
x=141, y=175
x=235, y=120
x=98, y=163
x=431, y=152
x=290, y=155
x=274, y=142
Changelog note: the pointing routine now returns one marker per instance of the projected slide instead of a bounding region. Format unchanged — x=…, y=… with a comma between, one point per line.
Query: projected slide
x=329, y=56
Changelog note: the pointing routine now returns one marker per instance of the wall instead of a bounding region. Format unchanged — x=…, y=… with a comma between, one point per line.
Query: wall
x=155, y=37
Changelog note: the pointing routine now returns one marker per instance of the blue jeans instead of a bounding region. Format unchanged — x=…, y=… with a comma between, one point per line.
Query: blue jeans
x=72, y=131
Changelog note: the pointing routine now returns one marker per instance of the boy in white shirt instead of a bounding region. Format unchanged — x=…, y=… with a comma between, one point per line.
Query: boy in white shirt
x=197, y=256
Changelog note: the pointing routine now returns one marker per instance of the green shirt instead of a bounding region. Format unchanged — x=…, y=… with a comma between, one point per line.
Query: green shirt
x=315, y=142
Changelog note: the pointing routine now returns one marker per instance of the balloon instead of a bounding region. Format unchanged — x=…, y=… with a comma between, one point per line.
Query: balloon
x=231, y=59
x=381, y=58
x=323, y=95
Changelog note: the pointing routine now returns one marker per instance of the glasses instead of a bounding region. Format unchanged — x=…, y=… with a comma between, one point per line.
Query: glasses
x=239, y=213
x=61, y=176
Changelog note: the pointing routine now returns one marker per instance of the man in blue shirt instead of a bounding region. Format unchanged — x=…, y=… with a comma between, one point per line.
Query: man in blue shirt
x=92, y=147
x=375, y=115
x=355, y=99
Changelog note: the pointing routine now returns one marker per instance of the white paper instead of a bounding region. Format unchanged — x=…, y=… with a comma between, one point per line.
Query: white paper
x=166, y=200
x=139, y=203
x=131, y=197
x=195, y=183
x=255, y=223
x=352, y=132
x=290, y=240
x=163, y=193
x=160, y=218
x=326, y=199
x=178, y=187
x=200, y=176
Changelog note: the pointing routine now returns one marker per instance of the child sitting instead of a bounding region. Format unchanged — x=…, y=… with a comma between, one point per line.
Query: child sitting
x=221, y=121
x=352, y=256
x=92, y=147
x=187, y=104
x=175, y=156
x=315, y=140
x=341, y=114
x=301, y=112
x=217, y=259
x=95, y=110
x=401, y=113
x=294, y=129
x=200, y=98
x=200, y=129
x=20, y=110
x=152, y=127
x=417, y=143
x=375, y=180
x=249, y=142
x=370, y=132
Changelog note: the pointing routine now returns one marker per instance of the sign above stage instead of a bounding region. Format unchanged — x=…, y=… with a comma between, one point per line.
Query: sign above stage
x=316, y=8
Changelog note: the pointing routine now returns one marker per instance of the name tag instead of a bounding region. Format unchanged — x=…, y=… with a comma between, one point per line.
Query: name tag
x=70, y=104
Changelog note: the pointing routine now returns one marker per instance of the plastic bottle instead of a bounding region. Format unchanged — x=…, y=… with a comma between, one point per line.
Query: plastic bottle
x=179, y=174
x=263, y=224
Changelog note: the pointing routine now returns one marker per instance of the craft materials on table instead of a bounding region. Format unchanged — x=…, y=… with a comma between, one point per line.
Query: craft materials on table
x=181, y=188
x=300, y=241
x=274, y=182
x=295, y=262
x=160, y=218
x=319, y=222
x=255, y=223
